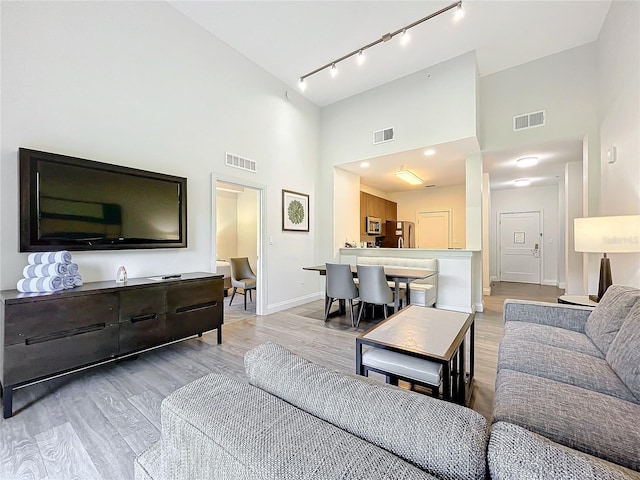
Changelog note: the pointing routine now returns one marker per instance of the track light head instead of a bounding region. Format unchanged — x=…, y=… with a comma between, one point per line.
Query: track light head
x=459, y=13
x=302, y=84
x=361, y=57
x=334, y=70
x=405, y=38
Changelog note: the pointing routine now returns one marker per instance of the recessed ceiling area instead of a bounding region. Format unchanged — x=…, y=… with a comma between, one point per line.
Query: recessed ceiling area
x=446, y=166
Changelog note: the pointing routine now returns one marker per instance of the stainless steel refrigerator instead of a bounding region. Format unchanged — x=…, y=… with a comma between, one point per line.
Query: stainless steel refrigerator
x=399, y=234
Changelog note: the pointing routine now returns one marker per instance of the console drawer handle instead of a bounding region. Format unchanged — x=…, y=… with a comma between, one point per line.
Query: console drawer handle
x=199, y=306
x=65, y=333
x=142, y=318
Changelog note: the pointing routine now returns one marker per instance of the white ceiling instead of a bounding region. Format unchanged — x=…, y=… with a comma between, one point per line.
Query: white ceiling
x=291, y=38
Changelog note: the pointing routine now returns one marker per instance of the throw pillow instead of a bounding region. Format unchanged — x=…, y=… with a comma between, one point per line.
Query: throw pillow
x=624, y=353
x=606, y=319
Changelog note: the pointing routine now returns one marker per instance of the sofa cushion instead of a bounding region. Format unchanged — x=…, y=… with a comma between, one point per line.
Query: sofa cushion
x=594, y=423
x=553, y=336
x=518, y=453
x=447, y=440
x=606, y=319
x=217, y=427
x=562, y=365
x=624, y=353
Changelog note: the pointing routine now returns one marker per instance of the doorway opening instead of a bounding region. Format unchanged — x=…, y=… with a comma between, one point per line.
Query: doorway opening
x=238, y=232
x=519, y=244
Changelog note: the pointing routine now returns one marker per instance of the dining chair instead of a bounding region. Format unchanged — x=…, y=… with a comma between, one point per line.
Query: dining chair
x=340, y=286
x=373, y=288
x=242, y=277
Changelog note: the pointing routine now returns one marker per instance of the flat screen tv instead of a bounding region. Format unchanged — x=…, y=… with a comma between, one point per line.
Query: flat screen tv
x=69, y=203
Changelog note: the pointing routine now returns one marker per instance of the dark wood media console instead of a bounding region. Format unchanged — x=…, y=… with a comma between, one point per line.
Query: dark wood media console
x=46, y=335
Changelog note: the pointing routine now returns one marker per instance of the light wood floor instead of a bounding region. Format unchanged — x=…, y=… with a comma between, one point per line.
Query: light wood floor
x=92, y=424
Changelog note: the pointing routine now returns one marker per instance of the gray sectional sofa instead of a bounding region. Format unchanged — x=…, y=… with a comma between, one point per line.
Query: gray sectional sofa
x=572, y=374
x=558, y=415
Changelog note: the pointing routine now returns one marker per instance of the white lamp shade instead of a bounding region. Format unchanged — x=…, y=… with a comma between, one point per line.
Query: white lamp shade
x=619, y=234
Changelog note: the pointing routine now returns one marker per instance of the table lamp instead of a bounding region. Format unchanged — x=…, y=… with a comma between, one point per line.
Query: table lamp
x=619, y=234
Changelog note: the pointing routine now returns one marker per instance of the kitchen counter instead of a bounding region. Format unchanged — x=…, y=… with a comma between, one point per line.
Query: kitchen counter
x=459, y=273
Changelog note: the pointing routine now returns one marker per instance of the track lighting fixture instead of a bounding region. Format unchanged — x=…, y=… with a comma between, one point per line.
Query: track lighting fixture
x=384, y=38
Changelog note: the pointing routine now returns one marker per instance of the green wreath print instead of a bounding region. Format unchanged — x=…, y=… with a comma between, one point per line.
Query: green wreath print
x=295, y=212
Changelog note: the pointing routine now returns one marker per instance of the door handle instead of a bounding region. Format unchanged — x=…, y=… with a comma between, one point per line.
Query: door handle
x=536, y=252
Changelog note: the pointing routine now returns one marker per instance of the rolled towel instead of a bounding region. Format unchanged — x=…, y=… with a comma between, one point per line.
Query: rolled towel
x=45, y=270
x=62, y=256
x=77, y=280
x=40, y=284
x=72, y=269
x=68, y=281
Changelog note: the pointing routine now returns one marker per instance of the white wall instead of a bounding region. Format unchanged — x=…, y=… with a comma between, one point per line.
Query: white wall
x=619, y=108
x=563, y=84
x=529, y=199
x=247, y=228
x=346, y=207
x=226, y=225
x=139, y=84
x=436, y=199
x=424, y=110
x=573, y=209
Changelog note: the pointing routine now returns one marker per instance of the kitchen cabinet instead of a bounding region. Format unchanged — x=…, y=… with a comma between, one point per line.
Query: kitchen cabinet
x=373, y=206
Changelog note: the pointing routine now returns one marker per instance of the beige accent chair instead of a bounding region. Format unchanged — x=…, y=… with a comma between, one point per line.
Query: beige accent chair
x=242, y=277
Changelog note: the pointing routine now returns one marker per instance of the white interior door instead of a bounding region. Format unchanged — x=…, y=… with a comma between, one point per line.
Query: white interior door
x=434, y=230
x=520, y=240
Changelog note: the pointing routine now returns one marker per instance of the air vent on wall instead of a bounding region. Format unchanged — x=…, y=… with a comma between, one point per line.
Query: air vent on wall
x=529, y=120
x=384, y=135
x=241, y=163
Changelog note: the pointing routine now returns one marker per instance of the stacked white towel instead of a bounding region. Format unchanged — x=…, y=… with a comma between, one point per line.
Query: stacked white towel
x=49, y=272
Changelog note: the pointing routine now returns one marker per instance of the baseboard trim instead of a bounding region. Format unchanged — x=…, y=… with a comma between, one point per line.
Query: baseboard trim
x=486, y=291
x=494, y=279
x=550, y=283
x=456, y=308
x=562, y=285
x=296, y=302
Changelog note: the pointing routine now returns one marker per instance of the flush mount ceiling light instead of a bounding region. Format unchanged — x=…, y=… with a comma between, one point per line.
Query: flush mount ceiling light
x=408, y=176
x=404, y=31
x=364, y=165
x=429, y=152
x=523, y=182
x=527, y=162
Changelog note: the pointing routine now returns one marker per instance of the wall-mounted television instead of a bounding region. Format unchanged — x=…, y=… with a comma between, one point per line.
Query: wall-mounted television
x=69, y=203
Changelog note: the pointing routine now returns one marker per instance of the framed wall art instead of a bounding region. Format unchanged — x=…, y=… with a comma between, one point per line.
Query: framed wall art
x=295, y=211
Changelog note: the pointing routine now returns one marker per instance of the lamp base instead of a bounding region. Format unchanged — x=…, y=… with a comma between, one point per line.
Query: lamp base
x=605, y=278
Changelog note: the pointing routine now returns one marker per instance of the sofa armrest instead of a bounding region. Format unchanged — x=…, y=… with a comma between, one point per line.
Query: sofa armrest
x=515, y=452
x=569, y=317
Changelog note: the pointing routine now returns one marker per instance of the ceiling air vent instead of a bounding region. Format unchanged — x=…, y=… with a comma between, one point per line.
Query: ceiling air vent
x=381, y=136
x=241, y=163
x=529, y=120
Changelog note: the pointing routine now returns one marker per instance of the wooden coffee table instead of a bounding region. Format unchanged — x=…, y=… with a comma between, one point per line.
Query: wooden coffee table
x=433, y=335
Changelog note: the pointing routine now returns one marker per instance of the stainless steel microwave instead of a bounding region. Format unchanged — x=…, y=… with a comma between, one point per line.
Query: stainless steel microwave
x=374, y=226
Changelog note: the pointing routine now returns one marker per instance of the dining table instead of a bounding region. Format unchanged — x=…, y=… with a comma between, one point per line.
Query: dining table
x=398, y=275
